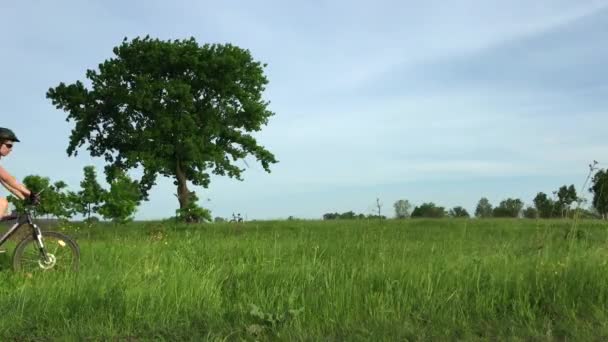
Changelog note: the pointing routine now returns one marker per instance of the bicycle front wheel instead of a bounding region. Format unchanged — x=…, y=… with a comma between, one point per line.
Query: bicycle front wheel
x=62, y=254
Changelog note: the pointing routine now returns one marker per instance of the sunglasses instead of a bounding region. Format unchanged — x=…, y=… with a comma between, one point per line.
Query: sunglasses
x=9, y=145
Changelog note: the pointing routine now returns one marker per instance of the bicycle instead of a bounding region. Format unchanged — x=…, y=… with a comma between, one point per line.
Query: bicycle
x=41, y=250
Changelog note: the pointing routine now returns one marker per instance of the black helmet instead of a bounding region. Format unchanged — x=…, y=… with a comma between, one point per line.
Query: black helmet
x=7, y=134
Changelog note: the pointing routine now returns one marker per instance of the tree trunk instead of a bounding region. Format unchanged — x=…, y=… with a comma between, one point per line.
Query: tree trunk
x=182, y=187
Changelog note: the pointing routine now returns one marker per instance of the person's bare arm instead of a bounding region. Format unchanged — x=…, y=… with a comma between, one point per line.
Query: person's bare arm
x=12, y=185
x=12, y=190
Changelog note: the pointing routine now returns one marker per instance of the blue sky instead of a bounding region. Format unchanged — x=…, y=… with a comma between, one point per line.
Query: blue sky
x=443, y=101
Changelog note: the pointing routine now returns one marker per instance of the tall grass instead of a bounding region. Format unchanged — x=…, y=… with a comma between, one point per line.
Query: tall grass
x=313, y=280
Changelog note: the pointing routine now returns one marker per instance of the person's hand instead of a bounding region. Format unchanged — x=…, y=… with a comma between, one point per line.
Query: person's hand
x=34, y=198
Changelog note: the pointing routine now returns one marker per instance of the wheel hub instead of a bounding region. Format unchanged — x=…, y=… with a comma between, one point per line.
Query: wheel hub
x=49, y=263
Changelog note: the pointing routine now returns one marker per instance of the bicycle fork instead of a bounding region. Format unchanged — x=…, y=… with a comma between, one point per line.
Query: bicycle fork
x=40, y=243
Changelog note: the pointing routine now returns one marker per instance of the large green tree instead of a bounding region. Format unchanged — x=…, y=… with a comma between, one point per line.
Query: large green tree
x=173, y=108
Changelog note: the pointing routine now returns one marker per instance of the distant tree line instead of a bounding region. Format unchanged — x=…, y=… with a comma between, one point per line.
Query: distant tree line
x=350, y=215
x=565, y=203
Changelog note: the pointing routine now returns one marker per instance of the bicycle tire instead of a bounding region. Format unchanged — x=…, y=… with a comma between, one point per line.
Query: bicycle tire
x=27, y=256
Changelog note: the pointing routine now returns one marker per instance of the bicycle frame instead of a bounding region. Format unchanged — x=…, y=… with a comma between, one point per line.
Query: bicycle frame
x=22, y=220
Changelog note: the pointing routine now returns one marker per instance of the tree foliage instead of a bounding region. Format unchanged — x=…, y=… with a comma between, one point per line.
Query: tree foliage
x=402, y=209
x=566, y=195
x=429, y=210
x=121, y=201
x=484, y=208
x=193, y=213
x=510, y=207
x=91, y=193
x=530, y=212
x=599, y=188
x=459, y=211
x=60, y=201
x=348, y=215
x=173, y=108
x=544, y=205
x=55, y=199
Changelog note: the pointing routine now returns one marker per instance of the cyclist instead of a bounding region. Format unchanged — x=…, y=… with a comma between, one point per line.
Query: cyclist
x=7, y=139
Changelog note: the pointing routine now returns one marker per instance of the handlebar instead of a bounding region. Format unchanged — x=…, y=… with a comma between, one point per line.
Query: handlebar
x=37, y=195
x=27, y=208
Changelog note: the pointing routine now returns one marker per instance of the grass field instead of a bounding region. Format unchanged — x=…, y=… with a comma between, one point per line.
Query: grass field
x=426, y=280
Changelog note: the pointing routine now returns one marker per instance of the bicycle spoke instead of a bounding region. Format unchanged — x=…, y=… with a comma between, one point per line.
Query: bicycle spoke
x=32, y=261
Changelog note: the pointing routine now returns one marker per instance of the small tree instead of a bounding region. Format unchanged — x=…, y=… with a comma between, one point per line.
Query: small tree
x=120, y=203
x=458, y=212
x=566, y=195
x=59, y=201
x=379, y=206
x=402, y=209
x=91, y=194
x=34, y=183
x=54, y=200
x=544, y=205
x=484, y=208
x=509, y=208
